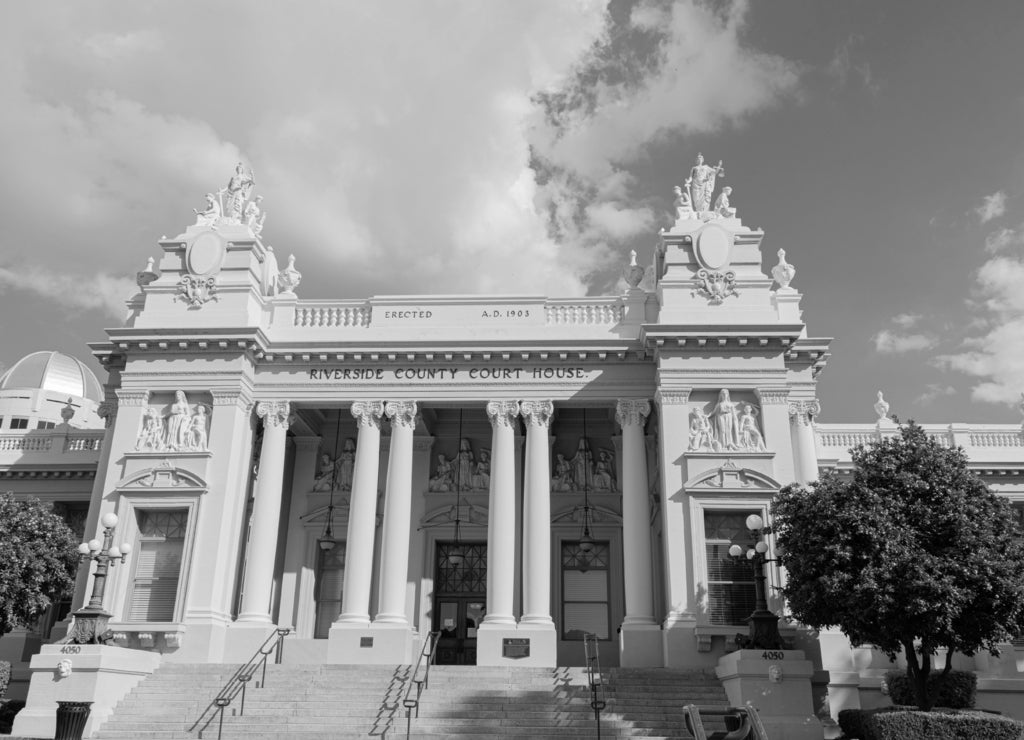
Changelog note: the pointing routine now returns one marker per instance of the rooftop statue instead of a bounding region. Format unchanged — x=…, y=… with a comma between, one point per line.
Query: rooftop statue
x=210, y=214
x=238, y=189
x=254, y=217
x=882, y=408
x=722, y=207
x=683, y=203
x=702, y=183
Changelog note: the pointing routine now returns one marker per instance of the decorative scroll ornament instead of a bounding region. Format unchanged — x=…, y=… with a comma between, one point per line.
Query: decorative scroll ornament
x=184, y=428
x=783, y=273
x=108, y=412
x=631, y=412
x=731, y=426
x=882, y=408
x=537, y=413
x=633, y=273
x=368, y=413
x=289, y=278
x=804, y=411
x=502, y=413
x=716, y=286
x=196, y=291
x=401, y=413
x=274, y=413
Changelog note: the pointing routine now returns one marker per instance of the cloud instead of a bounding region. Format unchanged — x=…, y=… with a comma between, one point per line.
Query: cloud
x=890, y=342
x=992, y=206
x=933, y=391
x=100, y=292
x=995, y=357
x=845, y=69
x=906, y=320
x=1001, y=239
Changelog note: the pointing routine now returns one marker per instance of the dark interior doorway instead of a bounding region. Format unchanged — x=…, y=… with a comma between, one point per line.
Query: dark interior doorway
x=460, y=593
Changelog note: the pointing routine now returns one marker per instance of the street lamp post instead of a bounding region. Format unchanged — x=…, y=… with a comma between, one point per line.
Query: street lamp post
x=91, y=620
x=764, y=623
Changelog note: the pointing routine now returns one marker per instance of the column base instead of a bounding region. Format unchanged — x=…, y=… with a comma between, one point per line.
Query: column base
x=101, y=674
x=679, y=642
x=380, y=643
x=533, y=645
x=640, y=646
x=243, y=639
x=778, y=684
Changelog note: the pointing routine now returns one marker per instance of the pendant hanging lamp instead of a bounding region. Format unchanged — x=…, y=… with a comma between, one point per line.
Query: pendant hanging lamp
x=456, y=556
x=326, y=542
x=586, y=541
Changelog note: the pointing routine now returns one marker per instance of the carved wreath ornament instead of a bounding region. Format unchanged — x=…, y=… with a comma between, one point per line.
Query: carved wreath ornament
x=716, y=286
x=196, y=291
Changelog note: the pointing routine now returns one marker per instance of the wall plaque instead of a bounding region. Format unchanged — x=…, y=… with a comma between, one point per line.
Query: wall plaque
x=515, y=647
x=366, y=642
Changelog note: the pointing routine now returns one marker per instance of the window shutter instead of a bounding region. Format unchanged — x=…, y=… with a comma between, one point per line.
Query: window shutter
x=157, y=570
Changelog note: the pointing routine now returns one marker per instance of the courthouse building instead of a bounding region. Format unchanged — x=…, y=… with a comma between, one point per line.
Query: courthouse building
x=512, y=471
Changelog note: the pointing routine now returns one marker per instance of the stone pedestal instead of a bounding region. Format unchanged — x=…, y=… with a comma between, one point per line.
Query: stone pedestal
x=640, y=646
x=100, y=674
x=778, y=684
x=540, y=640
x=380, y=643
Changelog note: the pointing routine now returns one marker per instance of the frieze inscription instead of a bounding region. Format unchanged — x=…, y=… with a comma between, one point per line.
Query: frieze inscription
x=451, y=374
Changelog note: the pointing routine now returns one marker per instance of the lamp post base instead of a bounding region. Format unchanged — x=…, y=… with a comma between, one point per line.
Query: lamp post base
x=764, y=632
x=89, y=628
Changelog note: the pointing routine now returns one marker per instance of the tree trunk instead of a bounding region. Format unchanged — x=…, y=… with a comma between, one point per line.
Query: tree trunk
x=918, y=673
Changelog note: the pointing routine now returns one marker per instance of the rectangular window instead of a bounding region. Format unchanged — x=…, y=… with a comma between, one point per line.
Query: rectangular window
x=585, y=587
x=19, y=422
x=157, y=564
x=45, y=425
x=730, y=583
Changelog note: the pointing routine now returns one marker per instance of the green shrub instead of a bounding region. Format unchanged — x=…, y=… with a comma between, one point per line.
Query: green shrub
x=959, y=689
x=917, y=725
x=7, y=711
x=5, y=677
x=853, y=722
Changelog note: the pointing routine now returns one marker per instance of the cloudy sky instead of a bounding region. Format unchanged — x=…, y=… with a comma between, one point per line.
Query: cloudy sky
x=526, y=147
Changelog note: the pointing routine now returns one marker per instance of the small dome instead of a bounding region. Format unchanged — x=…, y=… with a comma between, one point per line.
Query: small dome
x=54, y=372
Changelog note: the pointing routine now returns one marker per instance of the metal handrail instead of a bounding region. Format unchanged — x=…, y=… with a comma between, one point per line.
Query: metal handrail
x=597, y=698
x=422, y=684
x=239, y=680
x=747, y=722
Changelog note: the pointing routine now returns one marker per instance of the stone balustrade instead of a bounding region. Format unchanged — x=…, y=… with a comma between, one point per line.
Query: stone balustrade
x=310, y=314
x=21, y=445
x=608, y=311
x=983, y=443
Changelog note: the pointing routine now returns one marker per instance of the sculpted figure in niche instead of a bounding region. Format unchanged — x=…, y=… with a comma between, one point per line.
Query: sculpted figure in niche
x=722, y=207
x=151, y=439
x=178, y=423
x=701, y=437
x=210, y=214
x=466, y=464
x=702, y=183
x=238, y=189
x=482, y=475
x=604, y=472
x=324, y=474
x=750, y=436
x=196, y=437
x=724, y=423
x=346, y=464
x=582, y=466
x=442, y=480
x=562, y=479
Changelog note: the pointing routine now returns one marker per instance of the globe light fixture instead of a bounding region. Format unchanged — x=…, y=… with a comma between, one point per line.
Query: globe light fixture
x=90, y=622
x=764, y=624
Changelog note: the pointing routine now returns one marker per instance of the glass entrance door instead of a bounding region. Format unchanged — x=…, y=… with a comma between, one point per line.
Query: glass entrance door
x=460, y=588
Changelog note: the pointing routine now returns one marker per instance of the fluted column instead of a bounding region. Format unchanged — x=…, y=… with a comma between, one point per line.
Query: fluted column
x=537, y=514
x=362, y=515
x=801, y=417
x=636, y=512
x=394, y=565
x=266, y=514
x=501, y=521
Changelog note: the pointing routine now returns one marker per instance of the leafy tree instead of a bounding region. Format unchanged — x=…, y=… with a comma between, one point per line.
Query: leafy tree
x=38, y=560
x=914, y=553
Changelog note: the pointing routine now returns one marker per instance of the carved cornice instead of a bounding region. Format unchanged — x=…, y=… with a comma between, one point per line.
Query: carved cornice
x=401, y=413
x=274, y=413
x=772, y=397
x=502, y=413
x=368, y=413
x=132, y=397
x=632, y=411
x=537, y=413
x=230, y=397
x=674, y=397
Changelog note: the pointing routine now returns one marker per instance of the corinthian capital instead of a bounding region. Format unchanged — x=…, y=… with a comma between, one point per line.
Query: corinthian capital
x=502, y=413
x=537, y=413
x=402, y=413
x=368, y=413
x=632, y=411
x=803, y=412
x=274, y=413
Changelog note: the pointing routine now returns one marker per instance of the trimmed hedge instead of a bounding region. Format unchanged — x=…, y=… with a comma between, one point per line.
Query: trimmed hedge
x=916, y=725
x=852, y=721
x=5, y=677
x=959, y=689
x=7, y=711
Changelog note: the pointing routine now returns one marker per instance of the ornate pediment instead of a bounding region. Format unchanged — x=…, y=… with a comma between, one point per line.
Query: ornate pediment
x=598, y=515
x=731, y=477
x=469, y=514
x=165, y=476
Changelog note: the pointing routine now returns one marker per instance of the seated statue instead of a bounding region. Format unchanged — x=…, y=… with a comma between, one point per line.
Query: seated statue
x=722, y=207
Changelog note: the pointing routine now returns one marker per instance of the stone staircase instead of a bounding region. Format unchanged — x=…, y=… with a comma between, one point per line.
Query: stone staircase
x=317, y=702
